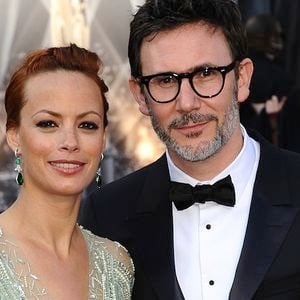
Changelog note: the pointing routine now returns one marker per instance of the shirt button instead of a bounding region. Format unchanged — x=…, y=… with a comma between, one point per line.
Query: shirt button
x=211, y=282
x=208, y=226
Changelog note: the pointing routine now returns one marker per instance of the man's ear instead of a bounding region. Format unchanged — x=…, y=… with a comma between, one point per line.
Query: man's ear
x=245, y=73
x=139, y=96
x=12, y=138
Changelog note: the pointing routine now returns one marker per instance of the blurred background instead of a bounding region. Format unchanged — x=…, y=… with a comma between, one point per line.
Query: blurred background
x=103, y=27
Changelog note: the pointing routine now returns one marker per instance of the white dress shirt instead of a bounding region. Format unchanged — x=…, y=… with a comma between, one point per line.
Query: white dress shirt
x=208, y=237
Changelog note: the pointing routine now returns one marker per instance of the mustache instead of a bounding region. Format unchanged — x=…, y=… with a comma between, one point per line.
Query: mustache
x=193, y=117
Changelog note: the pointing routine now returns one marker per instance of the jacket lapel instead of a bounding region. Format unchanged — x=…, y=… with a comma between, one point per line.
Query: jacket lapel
x=152, y=229
x=270, y=218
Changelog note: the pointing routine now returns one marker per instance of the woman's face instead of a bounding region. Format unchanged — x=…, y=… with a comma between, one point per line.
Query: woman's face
x=61, y=133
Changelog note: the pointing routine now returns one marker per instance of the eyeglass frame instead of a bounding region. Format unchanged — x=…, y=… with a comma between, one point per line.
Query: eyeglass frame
x=145, y=80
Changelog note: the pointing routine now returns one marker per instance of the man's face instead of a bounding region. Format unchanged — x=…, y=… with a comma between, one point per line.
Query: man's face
x=206, y=148
x=193, y=128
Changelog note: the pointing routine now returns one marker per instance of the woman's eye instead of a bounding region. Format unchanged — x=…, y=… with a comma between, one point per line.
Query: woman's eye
x=46, y=124
x=88, y=125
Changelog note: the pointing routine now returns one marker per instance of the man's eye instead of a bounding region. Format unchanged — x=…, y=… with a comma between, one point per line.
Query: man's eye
x=164, y=81
x=208, y=73
x=88, y=125
x=46, y=124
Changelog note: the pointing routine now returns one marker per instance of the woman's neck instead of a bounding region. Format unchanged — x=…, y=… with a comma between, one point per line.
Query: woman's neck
x=48, y=221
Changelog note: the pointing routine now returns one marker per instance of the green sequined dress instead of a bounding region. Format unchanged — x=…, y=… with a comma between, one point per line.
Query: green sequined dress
x=110, y=275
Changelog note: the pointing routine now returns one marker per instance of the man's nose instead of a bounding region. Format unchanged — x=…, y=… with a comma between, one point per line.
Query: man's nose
x=187, y=100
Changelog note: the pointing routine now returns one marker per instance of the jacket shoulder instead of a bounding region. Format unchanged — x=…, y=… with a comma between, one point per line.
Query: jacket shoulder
x=133, y=181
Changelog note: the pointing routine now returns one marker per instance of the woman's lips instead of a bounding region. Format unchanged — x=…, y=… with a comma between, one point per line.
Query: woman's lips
x=67, y=167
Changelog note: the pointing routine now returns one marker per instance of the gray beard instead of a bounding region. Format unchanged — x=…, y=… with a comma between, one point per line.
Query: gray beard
x=205, y=149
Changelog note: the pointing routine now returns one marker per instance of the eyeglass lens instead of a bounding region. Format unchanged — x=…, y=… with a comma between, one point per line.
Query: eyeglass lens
x=205, y=83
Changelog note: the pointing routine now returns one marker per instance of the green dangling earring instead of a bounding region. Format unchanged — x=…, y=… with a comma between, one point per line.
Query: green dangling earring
x=19, y=177
x=99, y=174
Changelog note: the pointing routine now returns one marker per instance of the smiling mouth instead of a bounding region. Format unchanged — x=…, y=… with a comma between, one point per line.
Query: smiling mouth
x=67, y=167
x=191, y=121
x=192, y=126
x=192, y=129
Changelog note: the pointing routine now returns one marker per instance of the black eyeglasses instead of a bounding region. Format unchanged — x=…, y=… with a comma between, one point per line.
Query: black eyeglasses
x=206, y=82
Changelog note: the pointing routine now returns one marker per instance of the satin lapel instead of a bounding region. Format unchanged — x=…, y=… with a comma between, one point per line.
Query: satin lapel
x=267, y=228
x=269, y=221
x=152, y=231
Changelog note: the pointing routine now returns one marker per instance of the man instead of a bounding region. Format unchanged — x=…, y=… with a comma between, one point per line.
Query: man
x=189, y=74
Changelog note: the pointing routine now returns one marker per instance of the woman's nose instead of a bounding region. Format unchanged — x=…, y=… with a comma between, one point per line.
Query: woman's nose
x=69, y=140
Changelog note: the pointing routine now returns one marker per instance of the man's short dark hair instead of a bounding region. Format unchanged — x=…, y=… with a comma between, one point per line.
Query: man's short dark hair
x=162, y=15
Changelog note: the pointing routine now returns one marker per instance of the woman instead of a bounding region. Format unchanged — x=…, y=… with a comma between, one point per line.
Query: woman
x=56, y=117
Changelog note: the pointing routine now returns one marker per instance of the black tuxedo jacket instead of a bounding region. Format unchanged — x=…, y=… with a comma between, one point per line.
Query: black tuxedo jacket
x=136, y=211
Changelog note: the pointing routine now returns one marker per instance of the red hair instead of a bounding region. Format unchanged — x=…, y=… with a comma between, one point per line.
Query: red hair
x=71, y=58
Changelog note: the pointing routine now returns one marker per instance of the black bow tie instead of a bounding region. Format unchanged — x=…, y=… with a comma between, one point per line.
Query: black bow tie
x=184, y=195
